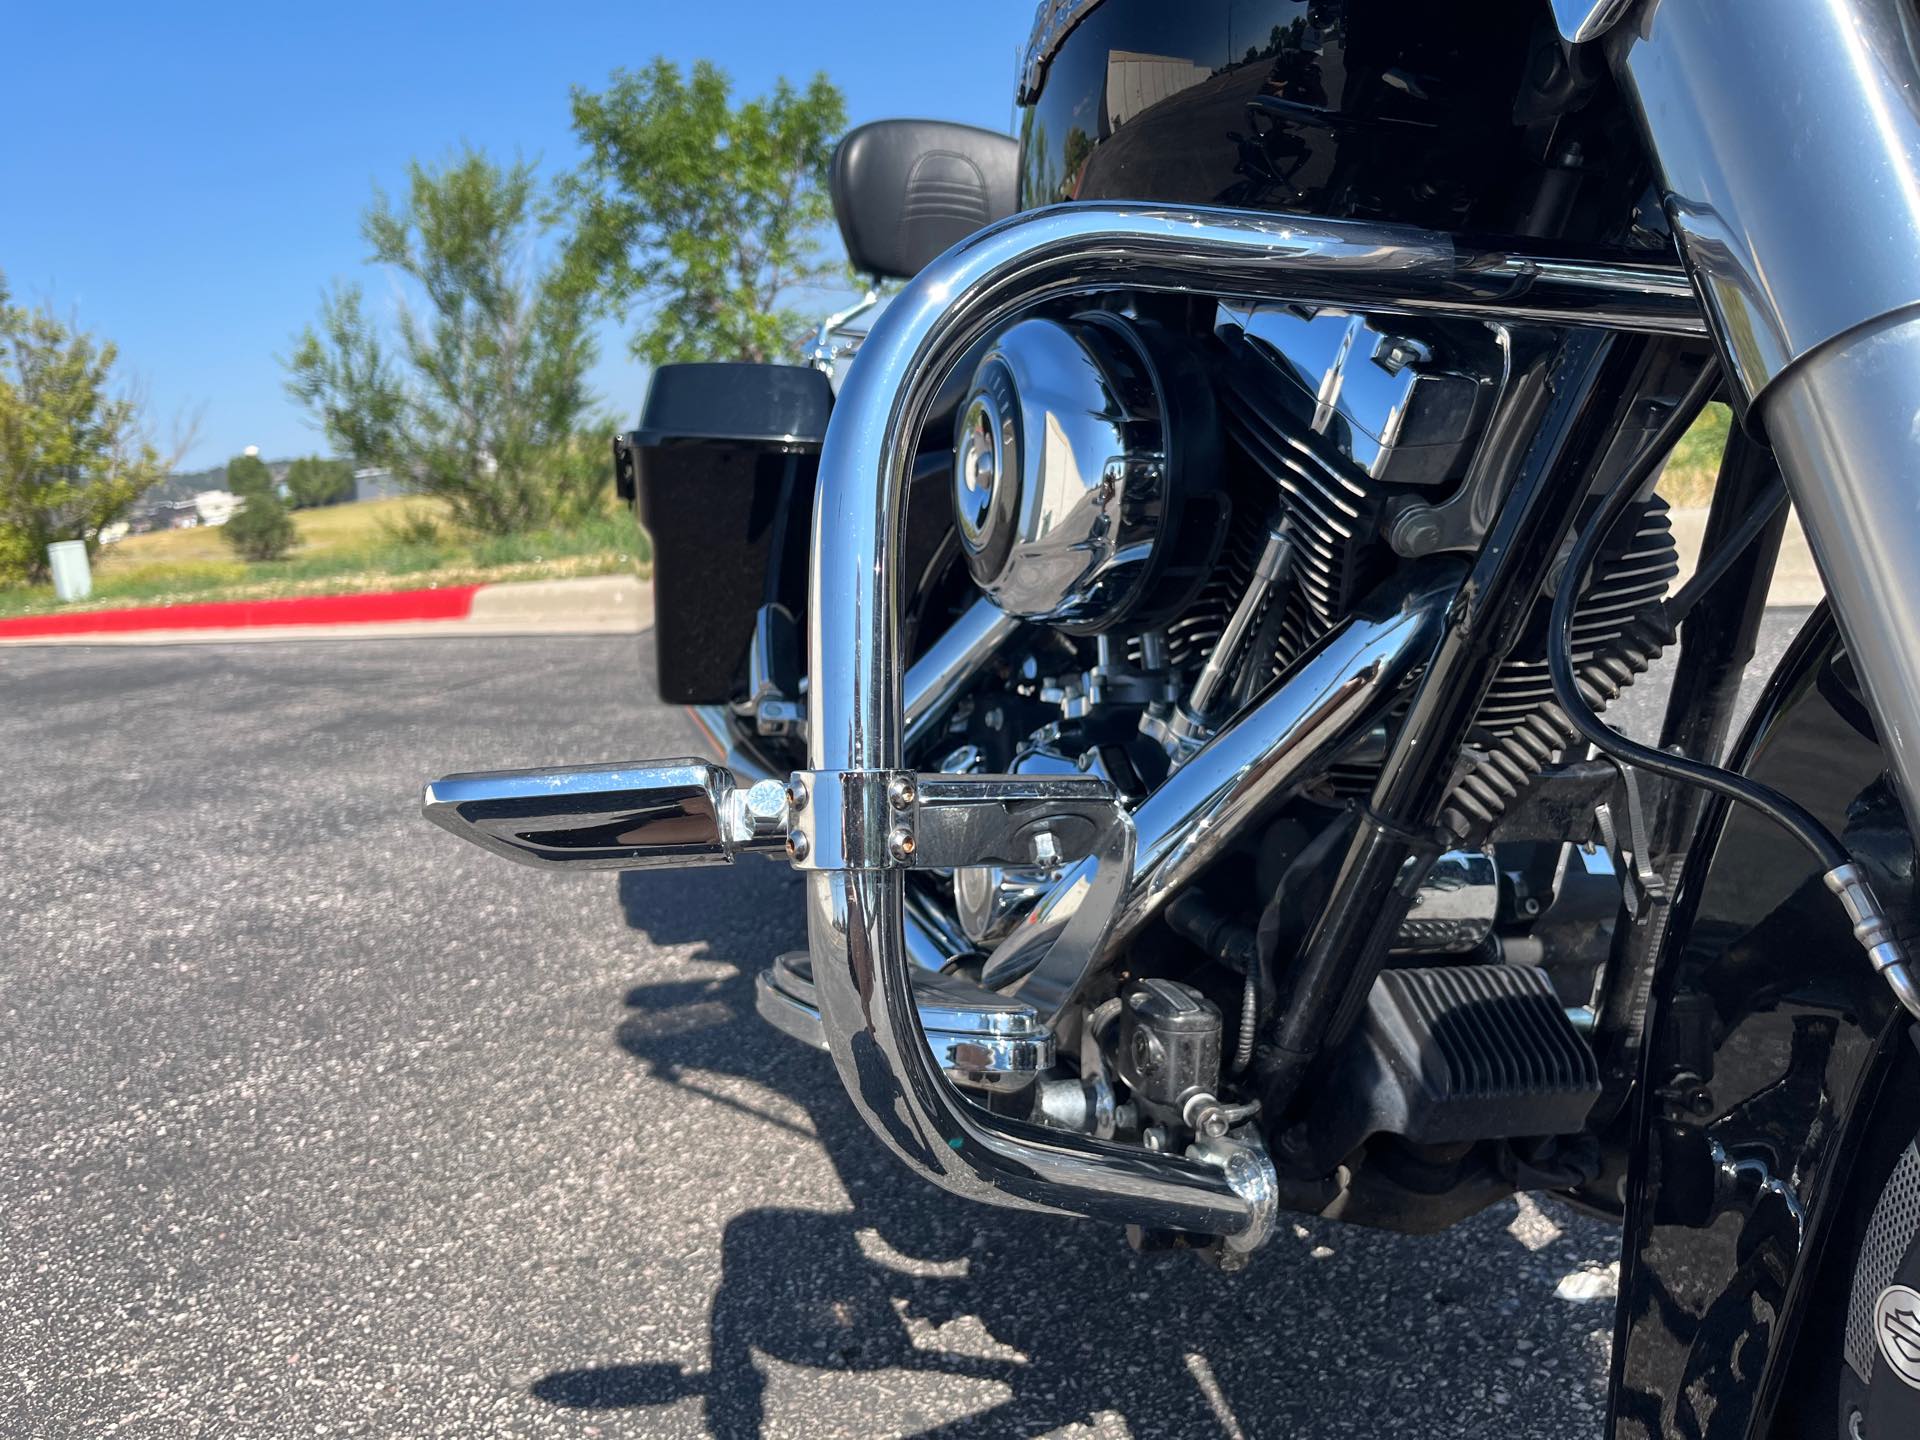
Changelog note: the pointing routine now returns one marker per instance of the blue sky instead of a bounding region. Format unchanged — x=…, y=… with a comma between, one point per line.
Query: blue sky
x=185, y=180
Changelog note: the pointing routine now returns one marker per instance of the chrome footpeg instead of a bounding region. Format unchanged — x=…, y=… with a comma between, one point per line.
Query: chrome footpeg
x=982, y=1040
x=654, y=814
x=657, y=814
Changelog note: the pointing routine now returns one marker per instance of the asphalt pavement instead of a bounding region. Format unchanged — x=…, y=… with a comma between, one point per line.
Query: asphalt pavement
x=315, y=1121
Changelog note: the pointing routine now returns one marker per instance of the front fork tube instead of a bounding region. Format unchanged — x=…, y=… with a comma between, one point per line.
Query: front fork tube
x=1786, y=142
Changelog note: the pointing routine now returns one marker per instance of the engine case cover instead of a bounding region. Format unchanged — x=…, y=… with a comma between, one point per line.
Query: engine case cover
x=1085, y=473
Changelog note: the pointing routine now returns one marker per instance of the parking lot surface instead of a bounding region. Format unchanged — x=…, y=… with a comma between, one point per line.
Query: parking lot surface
x=315, y=1121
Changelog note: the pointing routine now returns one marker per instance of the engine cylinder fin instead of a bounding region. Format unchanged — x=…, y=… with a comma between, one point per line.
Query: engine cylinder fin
x=1501, y=773
x=1332, y=512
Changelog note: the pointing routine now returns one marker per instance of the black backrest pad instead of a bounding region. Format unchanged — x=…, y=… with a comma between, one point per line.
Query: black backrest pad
x=905, y=190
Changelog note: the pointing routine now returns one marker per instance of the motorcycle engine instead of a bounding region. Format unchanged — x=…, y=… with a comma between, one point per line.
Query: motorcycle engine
x=1206, y=506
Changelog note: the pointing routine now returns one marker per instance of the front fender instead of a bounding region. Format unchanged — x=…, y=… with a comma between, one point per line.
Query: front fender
x=1768, y=1039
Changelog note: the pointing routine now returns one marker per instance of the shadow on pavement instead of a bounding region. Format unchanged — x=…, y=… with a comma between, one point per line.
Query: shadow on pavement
x=851, y=1292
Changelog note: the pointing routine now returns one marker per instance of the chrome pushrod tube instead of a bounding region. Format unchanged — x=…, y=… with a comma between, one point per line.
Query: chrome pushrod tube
x=1342, y=686
x=1787, y=142
x=856, y=717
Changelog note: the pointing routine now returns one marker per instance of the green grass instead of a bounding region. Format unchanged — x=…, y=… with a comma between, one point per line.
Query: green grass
x=375, y=545
x=1688, y=478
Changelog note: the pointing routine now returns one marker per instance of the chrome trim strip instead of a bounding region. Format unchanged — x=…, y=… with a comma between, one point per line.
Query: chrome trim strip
x=1052, y=19
x=856, y=918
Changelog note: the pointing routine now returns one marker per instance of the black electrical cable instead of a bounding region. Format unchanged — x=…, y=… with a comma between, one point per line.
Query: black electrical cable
x=1566, y=690
x=1759, y=515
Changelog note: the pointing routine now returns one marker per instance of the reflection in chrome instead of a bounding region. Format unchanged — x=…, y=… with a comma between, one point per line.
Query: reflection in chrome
x=1060, y=471
x=981, y=1040
x=1455, y=906
x=1582, y=20
x=935, y=680
x=1381, y=400
x=658, y=814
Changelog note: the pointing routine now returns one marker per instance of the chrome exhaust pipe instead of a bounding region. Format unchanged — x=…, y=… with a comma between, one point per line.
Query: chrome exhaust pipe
x=857, y=723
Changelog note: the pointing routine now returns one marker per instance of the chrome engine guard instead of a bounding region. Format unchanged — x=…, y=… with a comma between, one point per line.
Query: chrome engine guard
x=855, y=916
x=857, y=820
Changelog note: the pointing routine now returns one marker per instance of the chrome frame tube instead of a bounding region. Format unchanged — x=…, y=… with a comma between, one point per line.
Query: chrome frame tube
x=1787, y=141
x=856, y=716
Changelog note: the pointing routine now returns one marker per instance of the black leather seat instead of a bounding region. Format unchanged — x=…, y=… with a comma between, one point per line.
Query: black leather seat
x=905, y=190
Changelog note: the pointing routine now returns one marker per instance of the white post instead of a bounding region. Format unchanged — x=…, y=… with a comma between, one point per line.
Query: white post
x=72, y=576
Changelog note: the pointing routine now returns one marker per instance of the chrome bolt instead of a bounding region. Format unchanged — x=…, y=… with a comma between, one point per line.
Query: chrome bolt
x=767, y=800
x=901, y=792
x=798, y=845
x=1154, y=1137
x=1206, y=1116
x=900, y=843
x=796, y=793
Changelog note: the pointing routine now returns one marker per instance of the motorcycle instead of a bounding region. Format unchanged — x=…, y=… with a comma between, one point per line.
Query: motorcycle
x=1174, y=651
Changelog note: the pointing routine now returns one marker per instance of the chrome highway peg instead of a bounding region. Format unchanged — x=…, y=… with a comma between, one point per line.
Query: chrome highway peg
x=654, y=814
x=657, y=814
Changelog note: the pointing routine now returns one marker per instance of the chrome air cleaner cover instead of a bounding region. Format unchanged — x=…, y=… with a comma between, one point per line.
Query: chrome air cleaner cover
x=1084, y=488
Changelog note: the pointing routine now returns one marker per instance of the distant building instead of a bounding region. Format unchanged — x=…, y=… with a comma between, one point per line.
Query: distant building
x=215, y=507
x=1137, y=82
x=379, y=484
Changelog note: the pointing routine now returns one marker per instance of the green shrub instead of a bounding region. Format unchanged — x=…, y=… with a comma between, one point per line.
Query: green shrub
x=312, y=482
x=261, y=529
x=248, y=475
x=415, y=529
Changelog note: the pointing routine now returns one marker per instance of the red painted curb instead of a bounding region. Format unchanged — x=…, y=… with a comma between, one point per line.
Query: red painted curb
x=450, y=602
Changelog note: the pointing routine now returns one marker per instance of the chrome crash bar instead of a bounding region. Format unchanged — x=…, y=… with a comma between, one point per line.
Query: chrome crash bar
x=857, y=729
x=858, y=820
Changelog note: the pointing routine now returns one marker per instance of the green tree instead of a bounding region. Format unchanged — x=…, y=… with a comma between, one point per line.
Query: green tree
x=705, y=215
x=482, y=397
x=261, y=528
x=248, y=475
x=74, y=456
x=312, y=481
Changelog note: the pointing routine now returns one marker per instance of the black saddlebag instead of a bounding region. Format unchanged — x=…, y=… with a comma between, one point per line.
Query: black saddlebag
x=722, y=472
